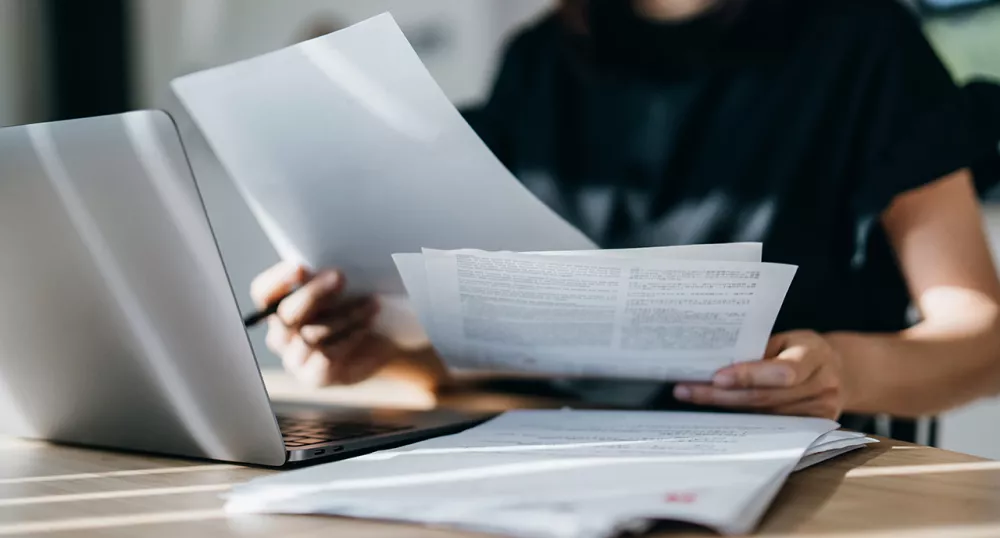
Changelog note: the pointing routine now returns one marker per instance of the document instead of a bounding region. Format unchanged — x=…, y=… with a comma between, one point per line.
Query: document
x=661, y=314
x=347, y=151
x=411, y=266
x=554, y=474
x=831, y=445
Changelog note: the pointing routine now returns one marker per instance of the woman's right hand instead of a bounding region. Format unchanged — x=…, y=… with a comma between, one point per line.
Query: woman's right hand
x=322, y=337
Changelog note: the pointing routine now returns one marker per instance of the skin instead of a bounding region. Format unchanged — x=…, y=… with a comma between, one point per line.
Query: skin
x=672, y=9
x=574, y=12
x=326, y=339
x=950, y=358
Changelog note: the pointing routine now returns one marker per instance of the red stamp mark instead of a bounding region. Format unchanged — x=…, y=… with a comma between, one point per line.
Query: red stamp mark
x=685, y=497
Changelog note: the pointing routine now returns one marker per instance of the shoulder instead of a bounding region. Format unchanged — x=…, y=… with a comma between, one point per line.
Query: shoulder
x=852, y=35
x=874, y=21
x=529, y=55
x=864, y=12
x=533, y=38
x=867, y=38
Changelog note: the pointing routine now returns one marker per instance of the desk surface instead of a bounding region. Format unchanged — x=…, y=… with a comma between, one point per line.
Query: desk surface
x=891, y=490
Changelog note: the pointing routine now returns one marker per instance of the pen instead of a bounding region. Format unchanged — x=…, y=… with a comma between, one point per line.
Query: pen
x=254, y=319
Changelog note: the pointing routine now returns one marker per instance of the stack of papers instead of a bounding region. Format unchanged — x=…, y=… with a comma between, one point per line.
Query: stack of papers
x=555, y=474
x=672, y=313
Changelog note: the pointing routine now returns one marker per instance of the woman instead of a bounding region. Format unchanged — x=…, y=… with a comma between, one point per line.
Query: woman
x=827, y=130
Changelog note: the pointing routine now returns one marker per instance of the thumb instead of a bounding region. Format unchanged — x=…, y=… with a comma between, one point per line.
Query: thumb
x=775, y=345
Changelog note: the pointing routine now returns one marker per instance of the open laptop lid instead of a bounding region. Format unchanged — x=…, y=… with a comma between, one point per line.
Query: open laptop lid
x=118, y=325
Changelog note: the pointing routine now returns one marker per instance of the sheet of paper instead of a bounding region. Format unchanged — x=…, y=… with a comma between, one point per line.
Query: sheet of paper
x=411, y=270
x=832, y=445
x=829, y=446
x=560, y=474
x=347, y=151
x=596, y=316
x=835, y=440
x=725, y=252
x=815, y=459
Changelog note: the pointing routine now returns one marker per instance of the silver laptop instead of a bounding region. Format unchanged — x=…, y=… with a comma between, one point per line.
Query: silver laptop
x=118, y=324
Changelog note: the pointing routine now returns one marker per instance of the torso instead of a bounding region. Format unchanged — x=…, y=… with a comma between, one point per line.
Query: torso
x=772, y=147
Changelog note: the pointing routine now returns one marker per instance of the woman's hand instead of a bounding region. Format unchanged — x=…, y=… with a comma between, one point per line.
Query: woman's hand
x=322, y=337
x=802, y=375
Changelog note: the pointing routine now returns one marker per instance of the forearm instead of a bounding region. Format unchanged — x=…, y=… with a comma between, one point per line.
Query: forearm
x=953, y=356
x=921, y=371
x=421, y=367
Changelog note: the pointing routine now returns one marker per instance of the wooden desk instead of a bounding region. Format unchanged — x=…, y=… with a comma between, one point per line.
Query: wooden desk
x=892, y=490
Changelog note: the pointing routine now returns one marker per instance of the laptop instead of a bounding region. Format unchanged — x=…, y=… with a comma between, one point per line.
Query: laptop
x=119, y=327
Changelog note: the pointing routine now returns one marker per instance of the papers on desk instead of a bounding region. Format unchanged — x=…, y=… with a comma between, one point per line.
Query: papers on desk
x=831, y=445
x=555, y=474
x=675, y=313
x=347, y=152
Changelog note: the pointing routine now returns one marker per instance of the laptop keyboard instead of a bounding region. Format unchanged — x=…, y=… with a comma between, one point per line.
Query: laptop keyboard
x=298, y=432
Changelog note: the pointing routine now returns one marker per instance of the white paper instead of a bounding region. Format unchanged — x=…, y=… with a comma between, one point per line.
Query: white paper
x=411, y=269
x=557, y=474
x=347, y=151
x=832, y=445
x=595, y=315
x=725, y=252
x=827, y=447
x=837, y=439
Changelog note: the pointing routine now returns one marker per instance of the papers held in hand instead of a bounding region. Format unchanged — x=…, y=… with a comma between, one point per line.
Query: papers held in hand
x=673, y=313
x=554, y=474
x=347, y=151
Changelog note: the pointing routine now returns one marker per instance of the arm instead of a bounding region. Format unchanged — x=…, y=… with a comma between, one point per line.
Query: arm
x=953, y=356
x=420, y=367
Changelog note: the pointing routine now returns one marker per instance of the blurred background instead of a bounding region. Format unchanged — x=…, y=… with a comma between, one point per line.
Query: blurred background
x=62, y=59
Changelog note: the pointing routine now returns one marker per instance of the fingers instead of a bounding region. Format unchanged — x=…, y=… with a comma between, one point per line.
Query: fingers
x=753, y=398
x=790, y=363
x=790, y=369
x=816, y=407
x=338, y=352
x=320, y=294
x=322, y=338
x=276, y=282
x=295, y=354
x=370, y=355
x=775, y=345
x=791, y=373
x=278, y=336
x=779, y=342
x=773, y=402
x=317, y=367
x=351, y=360
x=327, y=353
x=317, y=371
x=341, y=323
x=800, y=376
x=356, y=317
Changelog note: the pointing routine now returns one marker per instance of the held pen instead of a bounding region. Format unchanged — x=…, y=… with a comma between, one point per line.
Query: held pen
x=256, y=318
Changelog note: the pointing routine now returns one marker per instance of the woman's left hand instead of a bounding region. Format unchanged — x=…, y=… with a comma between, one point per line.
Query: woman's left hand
x=801, y=376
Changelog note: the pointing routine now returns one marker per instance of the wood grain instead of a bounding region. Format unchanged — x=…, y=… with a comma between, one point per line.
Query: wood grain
x=891, y=490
